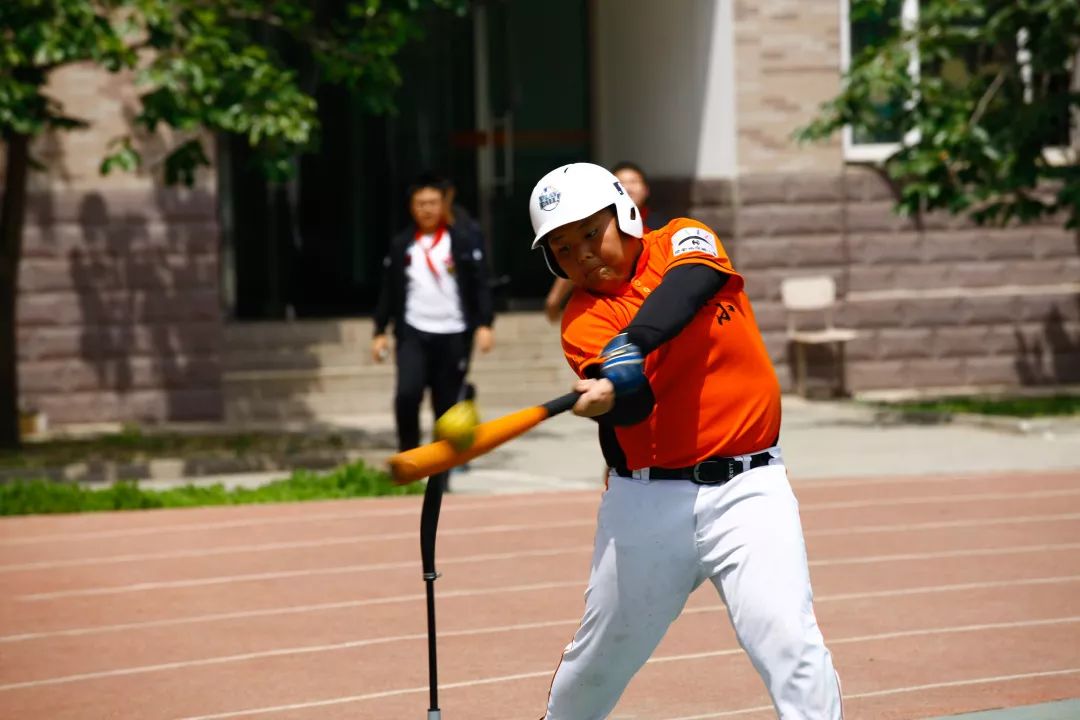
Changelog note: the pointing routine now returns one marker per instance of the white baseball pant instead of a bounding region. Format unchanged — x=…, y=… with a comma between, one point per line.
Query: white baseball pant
x=656, y=542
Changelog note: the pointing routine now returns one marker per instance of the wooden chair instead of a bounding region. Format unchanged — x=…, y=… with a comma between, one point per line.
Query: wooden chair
x=805, y=297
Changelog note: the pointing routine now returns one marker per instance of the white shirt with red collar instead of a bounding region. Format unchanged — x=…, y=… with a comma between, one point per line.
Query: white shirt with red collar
x=432, y=299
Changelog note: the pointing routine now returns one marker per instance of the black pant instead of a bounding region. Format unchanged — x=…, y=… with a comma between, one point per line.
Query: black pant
x=427, y=360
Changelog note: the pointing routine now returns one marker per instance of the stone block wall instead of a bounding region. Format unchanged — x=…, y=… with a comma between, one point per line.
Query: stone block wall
x=119, y=312
x=119, y=316
x=787, y=62
x=937, y=301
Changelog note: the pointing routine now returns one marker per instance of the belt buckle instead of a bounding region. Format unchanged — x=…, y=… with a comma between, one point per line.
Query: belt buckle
x=716, y=480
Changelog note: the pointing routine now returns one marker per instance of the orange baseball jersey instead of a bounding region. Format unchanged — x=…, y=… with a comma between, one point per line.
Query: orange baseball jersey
x=715, y=387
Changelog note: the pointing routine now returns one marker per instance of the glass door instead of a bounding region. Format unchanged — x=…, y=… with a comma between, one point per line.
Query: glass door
x=532, y=114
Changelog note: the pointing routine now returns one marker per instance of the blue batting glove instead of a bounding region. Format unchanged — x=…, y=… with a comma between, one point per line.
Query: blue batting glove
x=622, y=364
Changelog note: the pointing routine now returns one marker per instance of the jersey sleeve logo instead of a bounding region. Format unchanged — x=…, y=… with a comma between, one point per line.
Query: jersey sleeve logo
x=693, y=239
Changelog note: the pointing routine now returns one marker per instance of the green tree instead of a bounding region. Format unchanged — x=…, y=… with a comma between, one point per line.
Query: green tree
x=994, y=92
x=201, y=66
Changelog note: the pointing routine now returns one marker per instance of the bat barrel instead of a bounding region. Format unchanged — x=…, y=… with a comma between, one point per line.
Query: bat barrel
x=439, y=456
x=436, y=457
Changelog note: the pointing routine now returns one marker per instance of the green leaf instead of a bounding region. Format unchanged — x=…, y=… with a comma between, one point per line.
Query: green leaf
x=182, y=163
x=124, y=157
x=983, y=117
x=222, y=66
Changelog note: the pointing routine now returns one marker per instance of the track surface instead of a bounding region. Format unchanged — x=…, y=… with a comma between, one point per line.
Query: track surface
x=936, y=596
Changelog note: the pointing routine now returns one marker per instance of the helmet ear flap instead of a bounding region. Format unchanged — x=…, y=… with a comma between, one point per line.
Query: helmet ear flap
x=552, y=263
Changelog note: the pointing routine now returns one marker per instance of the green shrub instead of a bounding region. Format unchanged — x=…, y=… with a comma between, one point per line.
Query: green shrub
x=131, y=444
x=1031, y=407
x=26, y=497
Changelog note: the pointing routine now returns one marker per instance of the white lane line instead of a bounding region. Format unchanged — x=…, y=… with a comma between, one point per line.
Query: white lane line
x=901, y=690
x=571, y=497
x=940, y=499
x=943, y=524
x=664, y=659
x=923, y=590
x=1070, y=620
x=282, y=652
x=293, y=545
x=358, y=515
x=961, y=683
x=973, y=552
x=310, y=572
x=293, y=610
x=1067, y=474
x=476, y=592
x=733, y=713
x=489, y=557
x=353, y=644
x=484, y=529
x=373, y=696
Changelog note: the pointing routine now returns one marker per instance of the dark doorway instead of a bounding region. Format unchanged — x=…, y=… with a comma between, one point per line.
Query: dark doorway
x=492, y=100
x=532, y=80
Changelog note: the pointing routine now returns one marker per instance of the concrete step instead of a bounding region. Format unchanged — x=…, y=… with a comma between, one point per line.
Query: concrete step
x=520, y=339
x=493, y=401
x=313, y=368
x=284, y=382
x=298, y=333
x=313, y=392
x=517, y=352
x=357, y=331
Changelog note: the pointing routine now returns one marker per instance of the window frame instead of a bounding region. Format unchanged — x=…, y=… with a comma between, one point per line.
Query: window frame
x=874, y=152
x=1054, y=155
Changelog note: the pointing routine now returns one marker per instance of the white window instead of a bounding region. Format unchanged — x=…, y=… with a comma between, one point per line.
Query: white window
x=1061, y=146
x=1064, y=148
x=855, y=36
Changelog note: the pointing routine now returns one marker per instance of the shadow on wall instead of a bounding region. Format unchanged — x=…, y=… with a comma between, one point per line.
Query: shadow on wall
x=108, y=332
x=147, y=290
x=826, y=371
x=274, y=369
x=1053, y=357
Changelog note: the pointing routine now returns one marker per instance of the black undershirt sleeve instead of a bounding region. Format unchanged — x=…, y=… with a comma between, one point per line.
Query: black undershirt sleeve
x=664, y=313
x=673, y=304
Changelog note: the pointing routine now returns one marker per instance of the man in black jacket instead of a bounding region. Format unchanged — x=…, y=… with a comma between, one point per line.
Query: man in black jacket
x=436, y=293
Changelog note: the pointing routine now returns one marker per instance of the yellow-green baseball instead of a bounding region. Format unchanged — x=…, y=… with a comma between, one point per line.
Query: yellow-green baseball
x=458, y=425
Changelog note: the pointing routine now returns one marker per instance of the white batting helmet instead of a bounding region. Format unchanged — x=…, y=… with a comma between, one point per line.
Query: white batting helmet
x=574, y=192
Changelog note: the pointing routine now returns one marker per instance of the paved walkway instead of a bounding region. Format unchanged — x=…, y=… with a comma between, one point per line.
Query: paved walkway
x=819, y=440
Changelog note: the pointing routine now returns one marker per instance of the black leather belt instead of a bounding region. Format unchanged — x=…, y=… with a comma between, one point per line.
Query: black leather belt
x=712, y=471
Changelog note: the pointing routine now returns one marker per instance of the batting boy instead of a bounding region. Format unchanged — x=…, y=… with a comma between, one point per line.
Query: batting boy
x=673, y=368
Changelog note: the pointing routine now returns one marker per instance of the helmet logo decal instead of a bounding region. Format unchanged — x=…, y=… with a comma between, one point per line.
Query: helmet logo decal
x=549, y=198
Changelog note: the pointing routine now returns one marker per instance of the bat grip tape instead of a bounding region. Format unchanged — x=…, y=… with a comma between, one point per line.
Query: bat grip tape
x=561, y=403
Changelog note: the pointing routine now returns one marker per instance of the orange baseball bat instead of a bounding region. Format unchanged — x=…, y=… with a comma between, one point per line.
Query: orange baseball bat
x=435, y=457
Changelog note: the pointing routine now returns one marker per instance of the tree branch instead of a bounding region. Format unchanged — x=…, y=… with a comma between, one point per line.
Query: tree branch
x=984, y=101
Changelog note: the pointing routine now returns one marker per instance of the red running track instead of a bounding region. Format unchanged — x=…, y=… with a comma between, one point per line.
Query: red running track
x=936, y=596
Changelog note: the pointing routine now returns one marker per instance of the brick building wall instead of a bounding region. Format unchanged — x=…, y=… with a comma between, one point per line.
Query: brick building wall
x=119, y=314
x=787, y=62
x=937, y=301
